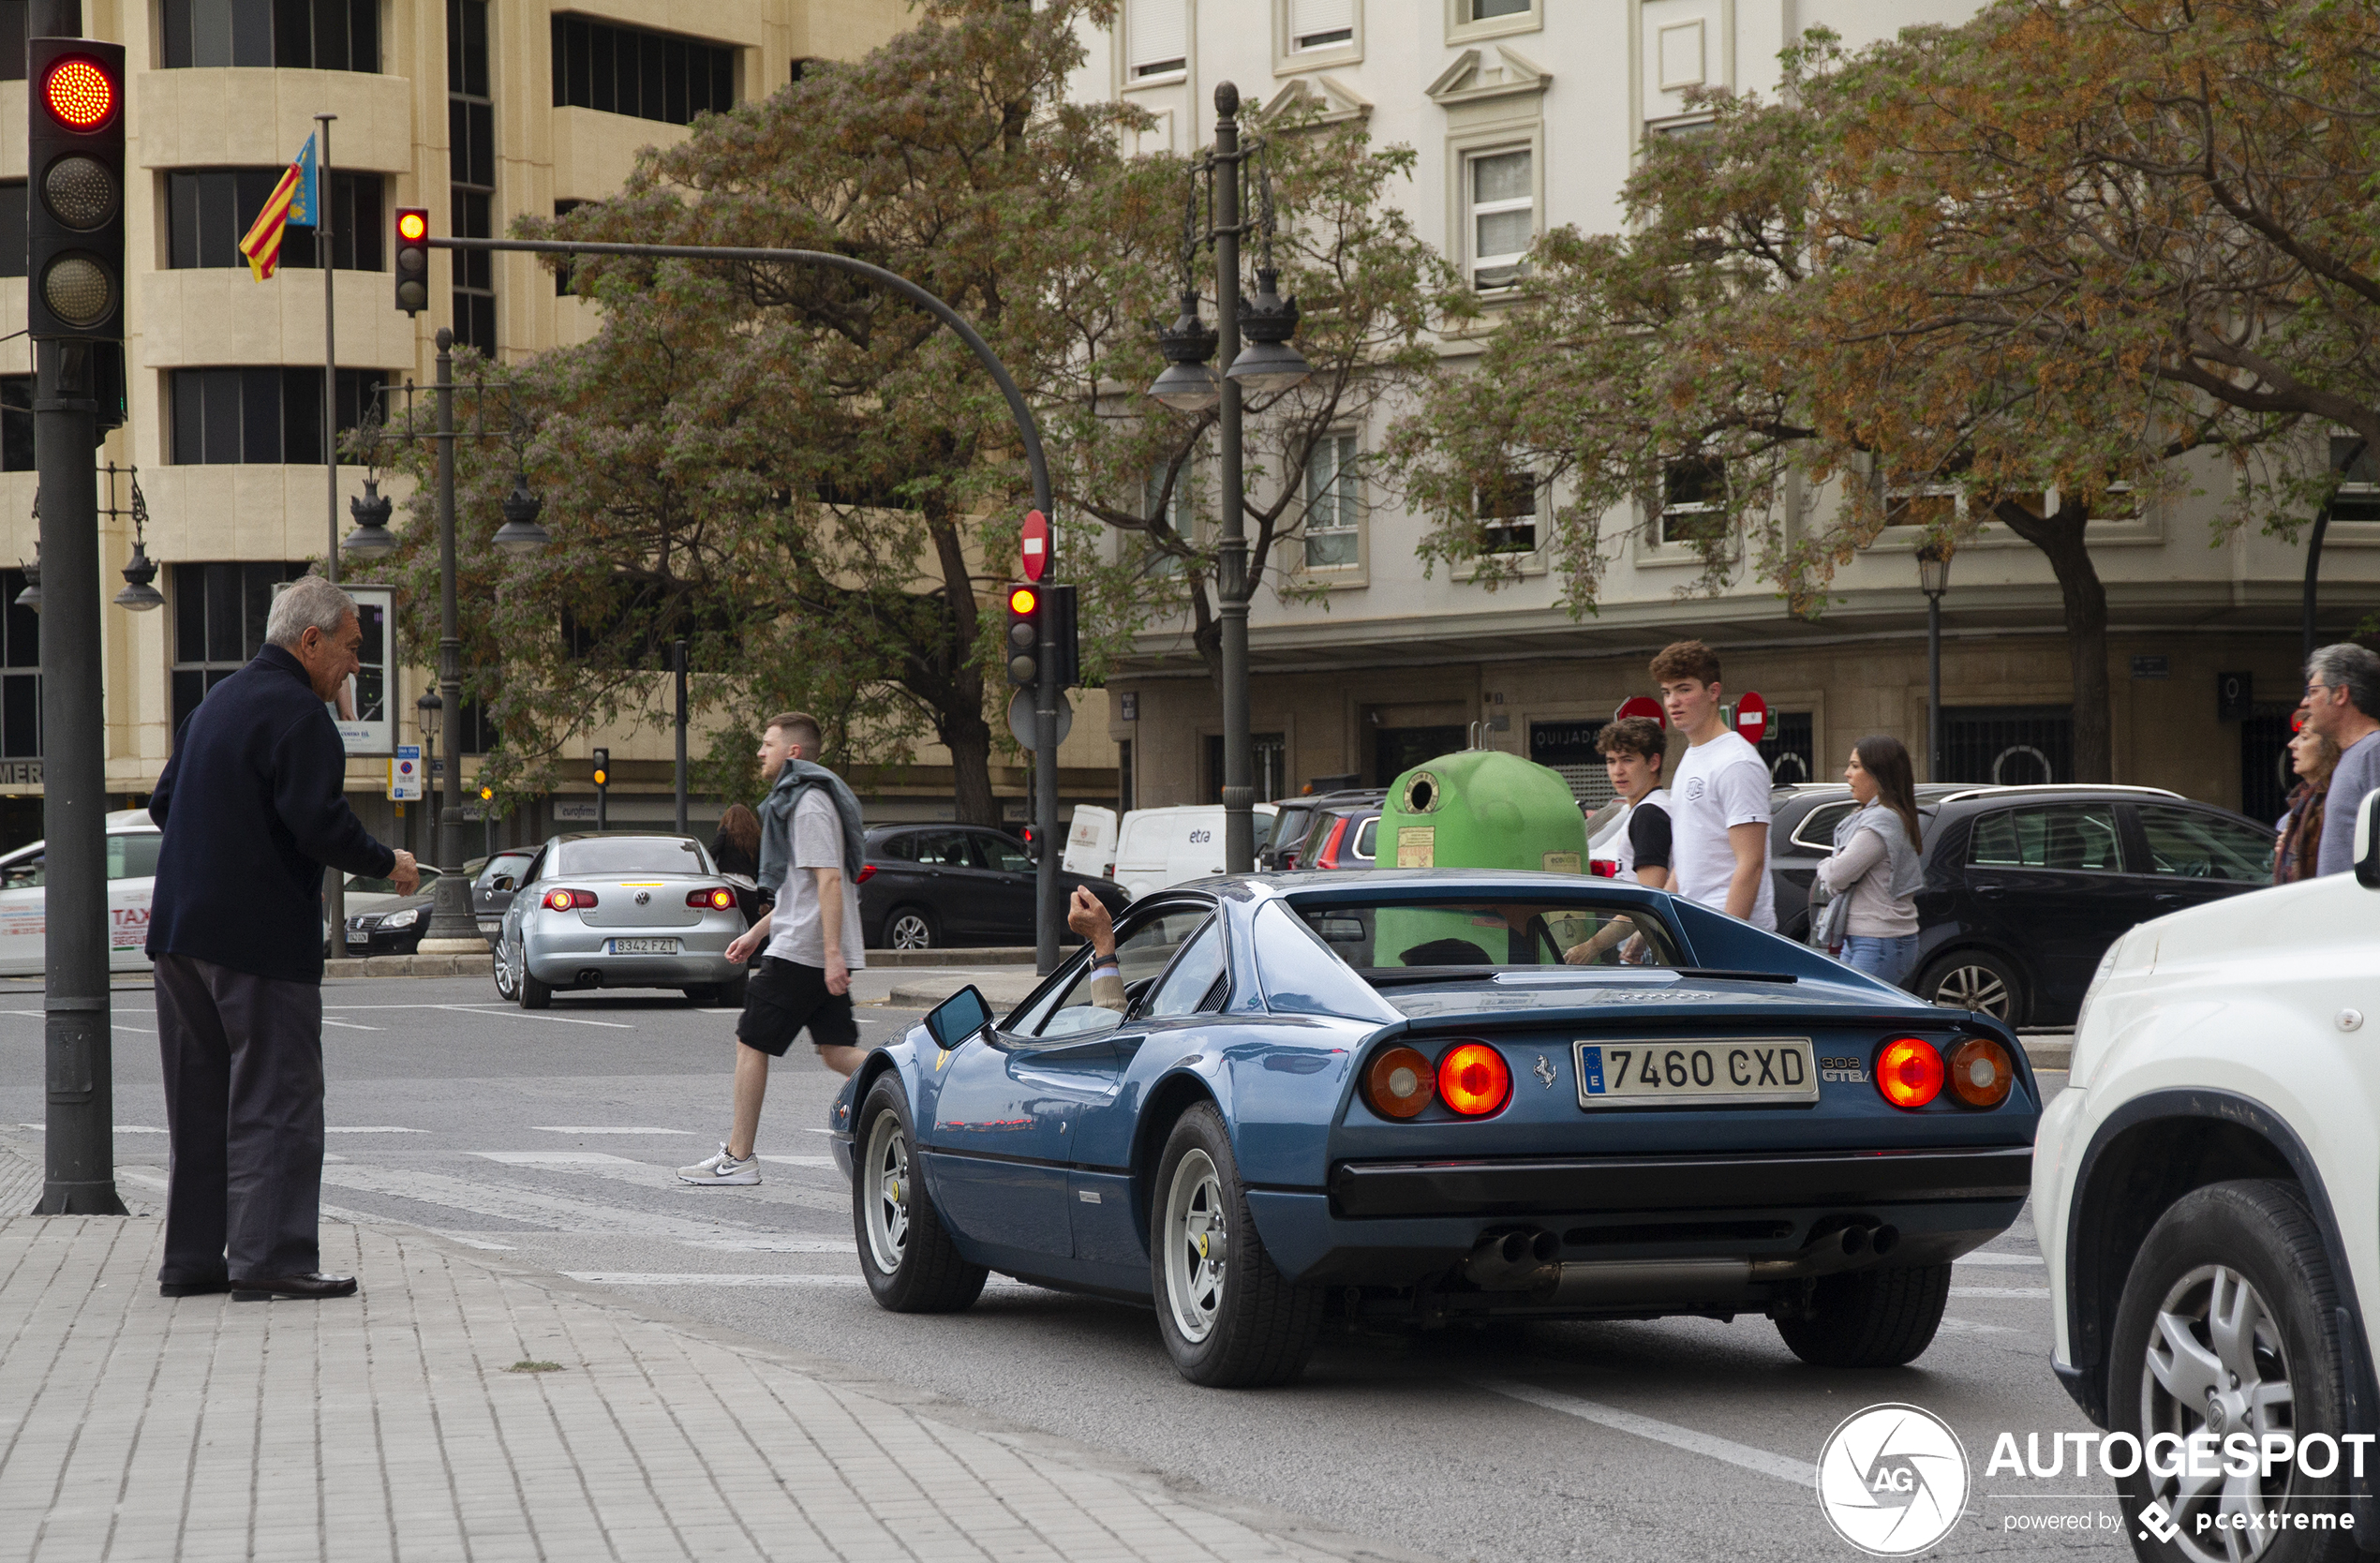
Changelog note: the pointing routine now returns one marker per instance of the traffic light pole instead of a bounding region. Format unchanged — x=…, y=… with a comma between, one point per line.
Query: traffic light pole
x=334, y=880
x=1050, y=913
x=79, y=1143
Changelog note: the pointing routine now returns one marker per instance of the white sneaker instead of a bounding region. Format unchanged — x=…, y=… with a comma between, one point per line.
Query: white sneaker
x=724, y=1170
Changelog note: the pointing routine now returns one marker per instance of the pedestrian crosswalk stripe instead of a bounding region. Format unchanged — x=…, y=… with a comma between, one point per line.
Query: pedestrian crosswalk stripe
x=703, y=1278
x=531, y=1207
x=1800, y=1473
x=781, y=1245
x=556, y=1158
x=571, y=1128
x=1999, y=1291
x=1999, y=1259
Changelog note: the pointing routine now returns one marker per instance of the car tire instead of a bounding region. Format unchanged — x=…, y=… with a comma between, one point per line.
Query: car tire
x=911, y=927
x=1236, y=1323
x=905, y=1252
x=1971, y=979
x=1869, y=1319
x=508, y=987
x=2249, y=1247
x=534, y=994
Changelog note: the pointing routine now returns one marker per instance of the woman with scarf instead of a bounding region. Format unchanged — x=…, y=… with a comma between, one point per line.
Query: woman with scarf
x=2314, y=757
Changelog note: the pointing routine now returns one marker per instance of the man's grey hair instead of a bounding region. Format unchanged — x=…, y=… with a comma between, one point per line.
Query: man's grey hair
x=309, y=602
x=2350, y=667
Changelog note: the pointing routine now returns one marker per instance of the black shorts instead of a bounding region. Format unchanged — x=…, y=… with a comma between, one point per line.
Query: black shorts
x=782, y=998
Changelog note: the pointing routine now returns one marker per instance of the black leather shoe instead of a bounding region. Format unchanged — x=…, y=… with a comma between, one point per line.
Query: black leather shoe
x=312, y=1289
x=193, y=1289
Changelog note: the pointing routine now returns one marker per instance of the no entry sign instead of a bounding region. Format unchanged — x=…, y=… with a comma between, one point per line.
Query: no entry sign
x=1035, y=545
x=1751, y=717
x=1642, y=705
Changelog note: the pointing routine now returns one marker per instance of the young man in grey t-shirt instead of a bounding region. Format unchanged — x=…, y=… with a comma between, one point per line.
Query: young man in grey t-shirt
x=812, y=945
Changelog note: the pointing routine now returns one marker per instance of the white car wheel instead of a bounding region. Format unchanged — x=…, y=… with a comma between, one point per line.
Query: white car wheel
x=508, y=985
x=1197, y=1246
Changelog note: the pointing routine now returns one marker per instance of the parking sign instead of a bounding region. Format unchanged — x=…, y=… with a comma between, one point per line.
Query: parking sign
x=404, y=774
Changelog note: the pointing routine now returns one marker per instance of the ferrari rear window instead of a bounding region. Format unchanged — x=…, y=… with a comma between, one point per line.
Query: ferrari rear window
x=1404, y=939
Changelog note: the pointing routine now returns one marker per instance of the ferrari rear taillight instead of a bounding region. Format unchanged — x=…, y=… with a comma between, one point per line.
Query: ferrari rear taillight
x=1474, y=1079
x=718, y=900
x=570, y=900
x=1981, y=1072
x=1400, y=1083
x=1909, y=1072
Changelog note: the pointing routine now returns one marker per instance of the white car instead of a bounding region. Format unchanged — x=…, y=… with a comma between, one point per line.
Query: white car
x=2207, y=1193
x=133, y=840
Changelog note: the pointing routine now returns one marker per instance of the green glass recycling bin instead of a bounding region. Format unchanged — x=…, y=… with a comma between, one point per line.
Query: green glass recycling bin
x=1479, y=809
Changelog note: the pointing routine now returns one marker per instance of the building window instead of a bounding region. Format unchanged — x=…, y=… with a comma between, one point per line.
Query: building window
x=1333, y=505
x=13, y=31
x=266, y=415
x=16, y=423
x=2358, y=496
x=1693, y=502
x=1503, y=214
x=1320, y=24
x=20, y=659
x=1157, y=33
x=563, y=263
x=218, y=624
x=1487, y=10
x=209, y=210
x=1507, y=513
x=294, y=35
x=627, y=70
x=471, y=130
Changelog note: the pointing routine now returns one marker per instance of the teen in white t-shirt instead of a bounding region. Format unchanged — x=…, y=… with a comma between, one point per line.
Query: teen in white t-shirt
x=1718, y=797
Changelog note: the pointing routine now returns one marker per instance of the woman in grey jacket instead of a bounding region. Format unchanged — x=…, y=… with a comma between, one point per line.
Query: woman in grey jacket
x=1876, y=868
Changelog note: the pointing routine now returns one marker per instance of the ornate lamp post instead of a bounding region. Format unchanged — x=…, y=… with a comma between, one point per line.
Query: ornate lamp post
x=139, y=593
x=1268, y=366
x=1933, y=579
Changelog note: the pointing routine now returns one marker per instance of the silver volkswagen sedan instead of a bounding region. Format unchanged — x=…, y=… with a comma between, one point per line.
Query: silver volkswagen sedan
x=619, y=912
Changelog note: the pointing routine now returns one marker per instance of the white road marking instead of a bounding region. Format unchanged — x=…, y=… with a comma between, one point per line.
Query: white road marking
x=1801, y=1473
x=530, y=1015
x=802, y=1161
x=151, y=1030
x=782, y=1245
x=1970, y=1327
x=533, y=1207
x=555, y=1158
x=577, y=1129
x=359, y=1218
x=2000, y=1258
x=343, y=1025
x=705, y=1278
x=371, y=1128
x=1999, y=1291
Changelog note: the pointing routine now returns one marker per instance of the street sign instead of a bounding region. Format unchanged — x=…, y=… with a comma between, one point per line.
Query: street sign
x=1020, y=714
x=1642, y=705
x=1035, y=545
x=1751, y=717
x=405, y=773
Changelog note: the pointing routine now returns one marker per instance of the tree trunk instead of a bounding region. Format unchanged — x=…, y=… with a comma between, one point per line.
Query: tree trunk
x=969, y=740
x=959, y=714
x=2060, y=537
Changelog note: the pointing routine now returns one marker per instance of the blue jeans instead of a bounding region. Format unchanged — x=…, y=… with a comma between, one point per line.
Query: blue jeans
x=1887, y=960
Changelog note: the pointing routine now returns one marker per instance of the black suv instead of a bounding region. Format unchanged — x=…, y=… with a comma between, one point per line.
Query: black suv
x=2027, y=886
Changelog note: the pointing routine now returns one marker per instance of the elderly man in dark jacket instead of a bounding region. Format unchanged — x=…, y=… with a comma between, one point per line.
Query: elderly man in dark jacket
x=253, y=805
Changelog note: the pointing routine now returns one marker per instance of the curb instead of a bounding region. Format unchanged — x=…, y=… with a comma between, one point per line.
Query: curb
x=409, y=965
x=1004, y=955
x=2054, y=1050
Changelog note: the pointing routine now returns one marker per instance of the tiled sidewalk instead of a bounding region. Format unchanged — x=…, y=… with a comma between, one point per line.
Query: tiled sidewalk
x=388, y=1426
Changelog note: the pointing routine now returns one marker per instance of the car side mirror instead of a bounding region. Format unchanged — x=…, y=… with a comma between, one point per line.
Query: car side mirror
x=503, y=882
x=2368, y=841
x=957, y=1018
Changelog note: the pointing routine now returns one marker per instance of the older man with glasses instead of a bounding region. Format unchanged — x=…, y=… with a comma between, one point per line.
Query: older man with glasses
x=2343, y=704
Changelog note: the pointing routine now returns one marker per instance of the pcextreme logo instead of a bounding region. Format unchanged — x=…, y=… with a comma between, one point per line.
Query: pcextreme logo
x=1893, y=1479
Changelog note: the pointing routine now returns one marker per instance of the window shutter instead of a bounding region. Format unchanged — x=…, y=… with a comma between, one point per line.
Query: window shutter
x=1158, y=32
x=1308, y=18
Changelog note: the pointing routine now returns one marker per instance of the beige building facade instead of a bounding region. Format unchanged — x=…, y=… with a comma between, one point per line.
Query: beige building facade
x=480, y=110
x=1527, y=115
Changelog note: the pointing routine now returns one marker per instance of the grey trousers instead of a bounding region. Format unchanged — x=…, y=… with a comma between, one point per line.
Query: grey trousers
x=244, y=1109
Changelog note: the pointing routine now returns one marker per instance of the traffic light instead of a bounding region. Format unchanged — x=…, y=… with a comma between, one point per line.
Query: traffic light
x=1024, y=635
x=602, y=767
x=602, y=789
x=412, y=259
x=1060, y=601
x=74, y=216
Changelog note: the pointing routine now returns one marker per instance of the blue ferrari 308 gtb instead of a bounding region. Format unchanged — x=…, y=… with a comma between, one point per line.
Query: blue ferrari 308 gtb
x=1432, y=1096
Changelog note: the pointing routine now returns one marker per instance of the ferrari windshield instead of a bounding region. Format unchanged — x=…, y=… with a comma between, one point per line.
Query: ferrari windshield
x=1406, y=938
x=633, y=854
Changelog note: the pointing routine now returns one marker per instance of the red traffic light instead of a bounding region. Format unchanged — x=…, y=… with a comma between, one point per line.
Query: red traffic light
x=412, y=259
x=79, y=92
x=413, y=226
x=1023, y=600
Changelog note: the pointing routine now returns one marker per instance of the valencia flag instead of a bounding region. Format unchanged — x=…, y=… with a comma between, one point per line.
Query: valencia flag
x=293, y=201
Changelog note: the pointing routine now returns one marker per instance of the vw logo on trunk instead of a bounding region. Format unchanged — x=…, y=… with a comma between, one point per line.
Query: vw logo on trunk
x=643, y=896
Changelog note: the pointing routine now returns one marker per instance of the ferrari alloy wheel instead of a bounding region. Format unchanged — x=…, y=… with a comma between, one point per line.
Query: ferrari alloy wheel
x=2228, y=1325
x=909, y=929
x=1972, y=980
x=1228, y=1318
x=1197, y=1246
x=906, y=1254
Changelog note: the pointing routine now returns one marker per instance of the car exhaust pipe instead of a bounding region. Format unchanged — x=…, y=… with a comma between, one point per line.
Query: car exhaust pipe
x=1830, y=1252
x=1606, y=1283
x=1520, y=1259
x=590, y=977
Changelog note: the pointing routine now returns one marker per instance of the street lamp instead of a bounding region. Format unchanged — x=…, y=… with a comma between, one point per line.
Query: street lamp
x=371, y=539
x=520, y=535
x=1268, y=366
x=1933, y=579
x=139, y=593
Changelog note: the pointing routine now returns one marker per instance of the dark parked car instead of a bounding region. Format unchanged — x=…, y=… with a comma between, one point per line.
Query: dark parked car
x=493, y=885
x=1296, y=819
x=2027, y=886
x=1343, y=835
x=926, y=887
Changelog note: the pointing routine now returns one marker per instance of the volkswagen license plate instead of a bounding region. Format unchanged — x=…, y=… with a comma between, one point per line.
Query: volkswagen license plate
x=644, y=947
x=1649, y=1072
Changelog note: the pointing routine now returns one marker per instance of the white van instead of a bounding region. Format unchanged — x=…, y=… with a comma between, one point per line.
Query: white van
x=1090, y=843
x=1157, y=847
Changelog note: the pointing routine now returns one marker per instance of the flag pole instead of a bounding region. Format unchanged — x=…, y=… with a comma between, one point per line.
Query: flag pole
x=333, y=882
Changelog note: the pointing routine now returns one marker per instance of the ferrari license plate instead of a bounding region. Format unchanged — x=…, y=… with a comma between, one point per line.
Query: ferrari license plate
x=1651, y=1072
x=644, y=947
